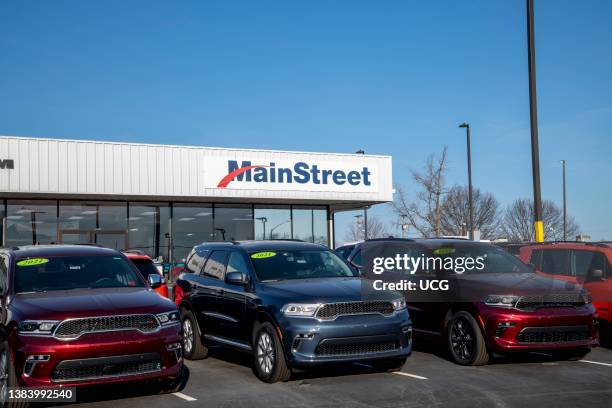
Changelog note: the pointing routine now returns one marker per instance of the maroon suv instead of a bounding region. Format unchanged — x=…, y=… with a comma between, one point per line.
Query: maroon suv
x=82, y=315
x=498, y=304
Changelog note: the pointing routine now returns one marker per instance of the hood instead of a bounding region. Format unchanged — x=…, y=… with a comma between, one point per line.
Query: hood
x=476, y=286
x=324, y=290
x=63, y=304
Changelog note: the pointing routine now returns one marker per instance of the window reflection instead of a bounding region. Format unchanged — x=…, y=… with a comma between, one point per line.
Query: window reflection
x=31, y=222
x=96, y=222
x=191, y=225
x=310, y=224
x=273, y=222
x=149, y=228
x=233, y=223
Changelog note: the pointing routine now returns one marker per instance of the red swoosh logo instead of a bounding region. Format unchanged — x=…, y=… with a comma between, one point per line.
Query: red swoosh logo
x=232, y=175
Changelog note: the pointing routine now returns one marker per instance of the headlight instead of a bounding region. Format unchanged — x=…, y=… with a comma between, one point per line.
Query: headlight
x=169, y=318
x=399, y=304
x=42, y=327
x=300, y=309
x=501, y=300
x=586, y=297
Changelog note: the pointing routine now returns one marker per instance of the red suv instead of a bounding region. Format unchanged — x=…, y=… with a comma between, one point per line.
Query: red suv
x=145, y=265
x=502, y=306
x=586, y=263
x=82, y=315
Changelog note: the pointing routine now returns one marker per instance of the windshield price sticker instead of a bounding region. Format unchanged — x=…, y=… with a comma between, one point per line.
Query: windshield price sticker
x=263, y=255
x=32, y=262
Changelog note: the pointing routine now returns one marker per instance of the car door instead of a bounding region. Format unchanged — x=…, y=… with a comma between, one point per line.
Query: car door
x=231, y=301
x=206, y=289
x=584, y=262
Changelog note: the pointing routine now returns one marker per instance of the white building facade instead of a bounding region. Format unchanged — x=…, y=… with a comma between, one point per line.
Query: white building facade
x=164, y=199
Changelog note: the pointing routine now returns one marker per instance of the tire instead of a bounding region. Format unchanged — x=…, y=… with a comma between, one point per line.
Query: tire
x=7, y=371
x=193, y=348
x=268, y=355
x=466, y=343
x=391, y=365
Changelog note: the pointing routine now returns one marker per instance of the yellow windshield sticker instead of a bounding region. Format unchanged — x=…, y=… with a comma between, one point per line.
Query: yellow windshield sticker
x=32, y=262
x=263, y=255
x=444, y=251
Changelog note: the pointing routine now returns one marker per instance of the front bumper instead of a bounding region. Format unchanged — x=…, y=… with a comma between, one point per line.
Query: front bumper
x=541, y=329
x=309, y=341
x=98, y=358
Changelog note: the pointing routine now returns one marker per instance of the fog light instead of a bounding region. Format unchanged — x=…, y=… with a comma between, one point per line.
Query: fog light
x=177, y=348
x=31, y=362
x=501, y=328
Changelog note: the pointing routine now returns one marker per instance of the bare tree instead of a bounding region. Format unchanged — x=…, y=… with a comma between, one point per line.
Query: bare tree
x=455, y=213
x=424, y=214
x=518, y=221
x=376, y=229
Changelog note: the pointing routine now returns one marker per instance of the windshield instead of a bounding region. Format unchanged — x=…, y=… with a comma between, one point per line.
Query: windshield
x=146, y=267
x=281, y=265
x=74, y=272
x=474, y=259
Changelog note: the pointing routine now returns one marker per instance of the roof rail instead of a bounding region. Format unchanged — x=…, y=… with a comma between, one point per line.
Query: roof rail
x=389, y=238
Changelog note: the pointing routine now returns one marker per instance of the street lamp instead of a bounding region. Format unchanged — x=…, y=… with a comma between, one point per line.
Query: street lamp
x=469, y=166
x=564, y=204
x=533, y=115
x=263, y=223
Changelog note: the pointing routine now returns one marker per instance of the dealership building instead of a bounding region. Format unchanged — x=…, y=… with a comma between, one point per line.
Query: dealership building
x=164, y=199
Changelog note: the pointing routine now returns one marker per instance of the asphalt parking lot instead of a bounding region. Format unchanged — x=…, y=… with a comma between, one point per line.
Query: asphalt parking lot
x=225, y=379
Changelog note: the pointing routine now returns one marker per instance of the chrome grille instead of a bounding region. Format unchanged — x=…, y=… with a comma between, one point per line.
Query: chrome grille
x=550, y=300
x=332, y=310
x=72, y=328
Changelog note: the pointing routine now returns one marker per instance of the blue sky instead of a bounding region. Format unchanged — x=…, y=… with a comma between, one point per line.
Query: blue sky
x=389, y=77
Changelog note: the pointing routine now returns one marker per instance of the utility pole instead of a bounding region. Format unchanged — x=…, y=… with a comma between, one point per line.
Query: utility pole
x=564, y=204
x=469, y=166
x=533, y=113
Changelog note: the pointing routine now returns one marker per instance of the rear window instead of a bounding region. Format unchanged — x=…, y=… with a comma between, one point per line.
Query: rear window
x=74, y=272
x=146, y=267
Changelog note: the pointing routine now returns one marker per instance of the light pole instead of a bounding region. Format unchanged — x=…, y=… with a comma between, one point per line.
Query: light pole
x=263, y=223
x=533, y=114
x=564, y=204
x=469, y=166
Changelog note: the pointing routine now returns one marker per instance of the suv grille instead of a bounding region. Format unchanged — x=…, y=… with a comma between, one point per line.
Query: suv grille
x=332, y=310
x=99, y=368
x=552, y=300
x=331, y=349
x=75, y=327
x=555, y=334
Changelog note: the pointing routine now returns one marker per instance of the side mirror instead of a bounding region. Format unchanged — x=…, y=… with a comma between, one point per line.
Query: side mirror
x=237, y=278
x=595, y=275
x=154, y=280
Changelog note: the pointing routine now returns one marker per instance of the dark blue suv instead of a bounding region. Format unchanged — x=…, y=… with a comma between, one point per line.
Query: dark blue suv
x=289, y=304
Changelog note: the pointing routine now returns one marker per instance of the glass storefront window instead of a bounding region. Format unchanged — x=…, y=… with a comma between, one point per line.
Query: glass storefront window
x=192, y=224
x=2, y=223
x=31, y=222
x=97, y=222
x=148, y=226
x=273, y=222
x=310, y=224
x=233, y=222
x=319, y=226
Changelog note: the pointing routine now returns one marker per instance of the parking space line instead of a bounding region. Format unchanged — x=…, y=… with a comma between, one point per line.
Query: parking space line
x=418, y=377
x=596, y=362
x=183, y=396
